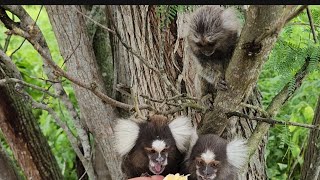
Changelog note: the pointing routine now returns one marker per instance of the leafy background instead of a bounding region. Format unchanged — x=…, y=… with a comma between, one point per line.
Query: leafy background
x=286, y=144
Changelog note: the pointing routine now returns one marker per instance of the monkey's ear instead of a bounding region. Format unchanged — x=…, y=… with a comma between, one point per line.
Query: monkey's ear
x=181, y=129
x=237, y=152
x=230, y=20
x=125, y=135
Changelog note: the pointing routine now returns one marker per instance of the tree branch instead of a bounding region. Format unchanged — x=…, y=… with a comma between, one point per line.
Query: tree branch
x=272, y=121
x=14, y=80
x=311, y=25
x=296, y=13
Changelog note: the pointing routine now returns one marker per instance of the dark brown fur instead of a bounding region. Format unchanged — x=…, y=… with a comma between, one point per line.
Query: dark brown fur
x=136, y=162
x=217, y=145
x=212, y=38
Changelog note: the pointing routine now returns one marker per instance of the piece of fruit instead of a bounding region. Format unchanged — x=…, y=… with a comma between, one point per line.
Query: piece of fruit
x=176, y=177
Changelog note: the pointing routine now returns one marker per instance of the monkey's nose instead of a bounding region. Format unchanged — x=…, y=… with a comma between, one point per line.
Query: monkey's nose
x=160, y=159
x=206, y=172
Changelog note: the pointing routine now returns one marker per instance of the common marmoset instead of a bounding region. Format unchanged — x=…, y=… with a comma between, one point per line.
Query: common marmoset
x=152, y=147
x=214, y=158
x=212, y=37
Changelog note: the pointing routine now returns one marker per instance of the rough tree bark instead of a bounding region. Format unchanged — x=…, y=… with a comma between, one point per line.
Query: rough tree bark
x=8, y=170
x=20, y=129
x=74, y=43
x=311, y=164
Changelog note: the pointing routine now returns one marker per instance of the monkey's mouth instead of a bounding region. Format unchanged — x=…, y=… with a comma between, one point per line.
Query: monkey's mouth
x=156, y=168
x=200, y=177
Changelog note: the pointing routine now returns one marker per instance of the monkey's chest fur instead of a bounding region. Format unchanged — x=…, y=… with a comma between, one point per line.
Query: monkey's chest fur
x=211, y=68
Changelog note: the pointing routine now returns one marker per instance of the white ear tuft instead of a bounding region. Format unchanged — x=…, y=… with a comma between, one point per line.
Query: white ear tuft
x=181, y=129
x=237, y=153
x=126, y=133
x=193, y=140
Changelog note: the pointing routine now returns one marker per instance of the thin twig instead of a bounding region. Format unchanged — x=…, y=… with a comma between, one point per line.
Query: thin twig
x=182, y=107
x=17, y=48
x=272, y=121
x=25, y=38
x=303, y=24
x=311, y=25
x=7, y=42
x=14, y=80
x=264, y=113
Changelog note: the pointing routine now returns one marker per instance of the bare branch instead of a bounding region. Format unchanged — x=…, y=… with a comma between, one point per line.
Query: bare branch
x=303, y=24
x=311, y=25
x=255, y=108
x=14, y=80
x=296, y=13
x=7, y=42
x=272, y=121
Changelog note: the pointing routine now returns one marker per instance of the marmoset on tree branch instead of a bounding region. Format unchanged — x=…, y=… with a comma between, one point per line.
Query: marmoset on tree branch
x=214, y=158
x=152, y=147
x=212, y=36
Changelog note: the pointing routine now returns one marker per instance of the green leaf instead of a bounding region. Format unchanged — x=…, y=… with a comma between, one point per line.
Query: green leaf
x=308, y=113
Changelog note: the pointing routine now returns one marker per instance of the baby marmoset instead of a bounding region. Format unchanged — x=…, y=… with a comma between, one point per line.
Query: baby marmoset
x=212, y=37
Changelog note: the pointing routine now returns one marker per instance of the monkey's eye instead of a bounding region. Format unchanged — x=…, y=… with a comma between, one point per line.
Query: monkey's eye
x=214, y=163
x=166, y=149
x=150, y=150
x=199, y=162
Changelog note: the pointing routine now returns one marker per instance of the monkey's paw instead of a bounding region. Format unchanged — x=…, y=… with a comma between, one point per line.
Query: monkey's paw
x=176, y=177
x=222, y=85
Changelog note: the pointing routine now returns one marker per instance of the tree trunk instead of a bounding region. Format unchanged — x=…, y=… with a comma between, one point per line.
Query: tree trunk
x=311, y=165
x=8, y=170
x=20, y=129
x=139, y=28
x=74, y=43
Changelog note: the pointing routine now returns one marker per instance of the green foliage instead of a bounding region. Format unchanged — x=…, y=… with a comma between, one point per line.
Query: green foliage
x=286, y=143
x=167, y=13
x=29, y=63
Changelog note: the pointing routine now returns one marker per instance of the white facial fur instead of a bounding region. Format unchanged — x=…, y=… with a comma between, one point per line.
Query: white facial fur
x=126, y=134
x=181, y=129
x=158, y=145
x=208, y=156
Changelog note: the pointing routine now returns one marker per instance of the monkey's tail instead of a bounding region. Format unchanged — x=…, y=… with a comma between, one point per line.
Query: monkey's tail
x=237, y=153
